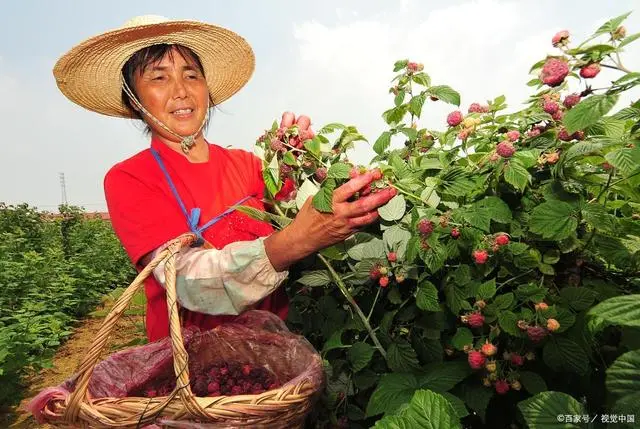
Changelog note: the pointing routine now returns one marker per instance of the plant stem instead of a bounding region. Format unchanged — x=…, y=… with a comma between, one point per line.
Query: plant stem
x=407, y=193
x=513, y=278
x=375, y=301
x=355, y=306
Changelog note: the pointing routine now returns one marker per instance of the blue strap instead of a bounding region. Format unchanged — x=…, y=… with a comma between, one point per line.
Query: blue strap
x=193, y=218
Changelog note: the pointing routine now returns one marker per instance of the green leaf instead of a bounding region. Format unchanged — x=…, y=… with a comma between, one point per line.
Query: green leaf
x=360, y=355
x=394, y=209
x=623, y=376
x=382, y=143
x=392, y=391
x=504, y=301
x=445, y=93
x=566, y=319
x=313, y=145
x=463, y=337
x=323, y=200
x=372, y=249
x=430, y=410
x=334, y=342
x=289, y=159
x=399, y=65
x=542, y=410
x=611, y=25
x=561, y=353
x=487, y=289
x=421, y=79
x=508, y=322
x=621, y=310
x=329, y=128
x=589, y=111
x=365, y=379
x=315, y=278
x=629, y=39
x=395, y=115
x=457, y=404
x=517, y=175
x=442, y=377
x=393, y=422
x=553, y=220
x=401, y=357
x=429, y=194
x=427, y=297
x=339, y=170
x=411, y=133
x=399, y=99
x=478, y=397
x=456, y=298
x=416, y=103
x=396, y=238
x=626, y=159
x=578, y=298
x=532, y=382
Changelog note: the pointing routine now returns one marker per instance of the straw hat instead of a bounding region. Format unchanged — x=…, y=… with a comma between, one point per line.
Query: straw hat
x=90, y=74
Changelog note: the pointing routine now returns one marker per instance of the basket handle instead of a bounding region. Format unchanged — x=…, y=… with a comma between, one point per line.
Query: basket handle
x=85, y=370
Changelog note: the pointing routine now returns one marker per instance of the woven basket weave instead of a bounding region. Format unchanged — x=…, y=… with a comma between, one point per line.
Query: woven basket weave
x=285, y=407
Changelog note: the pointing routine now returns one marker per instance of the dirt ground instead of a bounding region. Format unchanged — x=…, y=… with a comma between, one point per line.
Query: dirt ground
x=128, y=331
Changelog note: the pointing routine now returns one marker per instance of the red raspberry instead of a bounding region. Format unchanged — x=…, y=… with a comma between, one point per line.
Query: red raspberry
x=550, y=107
x=476, y=359
x=564, y=135
x=502, y=240
x=607, y=166
x=464, y=134
x=536, y=333
x=375, y=273
x=246, y=370
x=454, y=118
x=151, y=393
x=236, y=390
x=384, y=281
x=505, y=149
x=534, y=132
x=425, y=226
x=513, y=135
x=517, y=359
x=560, y=38
x=277, y=145
x=489, y=349
x=392, y=257
x=455, y=233
x=475, y=320
x=554, y=71
x=321, y=174
x=480, y=256
x=590, y=70
x=213, y=386
x=571, y=100
x=478, y=108
x=224, y=370
x=502, y=387
x=412, y=67
x=578, y=135
x=558, y=115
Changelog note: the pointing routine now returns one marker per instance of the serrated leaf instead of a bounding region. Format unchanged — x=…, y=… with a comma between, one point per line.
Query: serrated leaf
x=427, y=297
x=365, y=379
x=394, y=209
x=457, y=404
x=542, y=410
x=566, y=319
x=395, y=115
x=611, y=25
x=477, y=398
x=429, y=194
x=623, y=376
x=339, y=170
x=628, y=40
x=329, y=128
x=578, y=298
x=334, y=342
x=563, y=354
x=445, y=93
x=399, y=65
x=360, y=355
x=416, y=103
x=487, y=289
x=442, y=377
x=392, y=391
x=517, y=175
x=289, y=159
x=401, y=357
x=421, y=79
x=382, y=143
x=504, y=301
x=532, y=382
x=508, y=322
x=553, y=220
x=323, y=200
x=315, y=278
x=589, y=111
x=626, y=159
x=463, y=337
x=621, y=310
x=372, y=249
x=399, y=99
x=430, y=410
x=396, y=239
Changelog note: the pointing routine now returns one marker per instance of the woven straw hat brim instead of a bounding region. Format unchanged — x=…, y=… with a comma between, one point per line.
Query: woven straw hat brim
x=90, y=74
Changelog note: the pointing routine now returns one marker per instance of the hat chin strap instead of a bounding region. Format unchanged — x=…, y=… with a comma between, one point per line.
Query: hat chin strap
x=186, y=142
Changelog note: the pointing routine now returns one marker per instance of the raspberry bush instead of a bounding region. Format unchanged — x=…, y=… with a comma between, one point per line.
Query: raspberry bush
x=501, y=286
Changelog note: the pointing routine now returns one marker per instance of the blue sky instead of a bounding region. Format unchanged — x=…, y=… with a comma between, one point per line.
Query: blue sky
x=331, y=60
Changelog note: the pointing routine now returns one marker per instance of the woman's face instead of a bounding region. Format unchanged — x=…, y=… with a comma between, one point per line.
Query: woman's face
x=175, y=92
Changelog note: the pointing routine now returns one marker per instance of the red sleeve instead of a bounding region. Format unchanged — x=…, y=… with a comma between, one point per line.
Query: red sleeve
x=141, y=216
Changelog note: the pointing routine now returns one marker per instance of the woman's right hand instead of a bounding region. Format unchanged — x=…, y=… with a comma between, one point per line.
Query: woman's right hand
x=312, y=230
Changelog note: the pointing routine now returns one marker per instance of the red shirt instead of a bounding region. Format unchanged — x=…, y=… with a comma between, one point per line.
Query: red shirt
x=145, y=214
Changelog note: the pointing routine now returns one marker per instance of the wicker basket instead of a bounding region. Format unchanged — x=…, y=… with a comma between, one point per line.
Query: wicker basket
x=285, y=407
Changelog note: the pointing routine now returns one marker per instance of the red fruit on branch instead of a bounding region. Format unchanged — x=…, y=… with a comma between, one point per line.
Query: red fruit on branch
x=476, y=359
x=478, y=108
x=558, y=115
x=516, y=359
x=554, y=72
x=392, y=256
x=502, y=240
x=536, y=333
x=480, y=256
x=321, y=174
x=502, y=387
x=505, y=149
x=384, y=281
x=454, y=118
x=489, y=349
x=425, y=227
x=590, y=71
x=513, y=135
x=455, y=233
x=277, y=146
x=475, y=320
x=560, y=38
x=571, y=100
x=550, y=107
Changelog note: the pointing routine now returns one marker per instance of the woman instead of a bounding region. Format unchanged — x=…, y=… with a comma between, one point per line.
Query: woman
x=169, y=74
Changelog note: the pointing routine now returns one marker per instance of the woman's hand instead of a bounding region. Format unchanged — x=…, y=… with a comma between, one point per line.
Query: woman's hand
x=312, y=230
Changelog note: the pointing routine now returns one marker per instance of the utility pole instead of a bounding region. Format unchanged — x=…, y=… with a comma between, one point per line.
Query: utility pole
x=63, y=187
